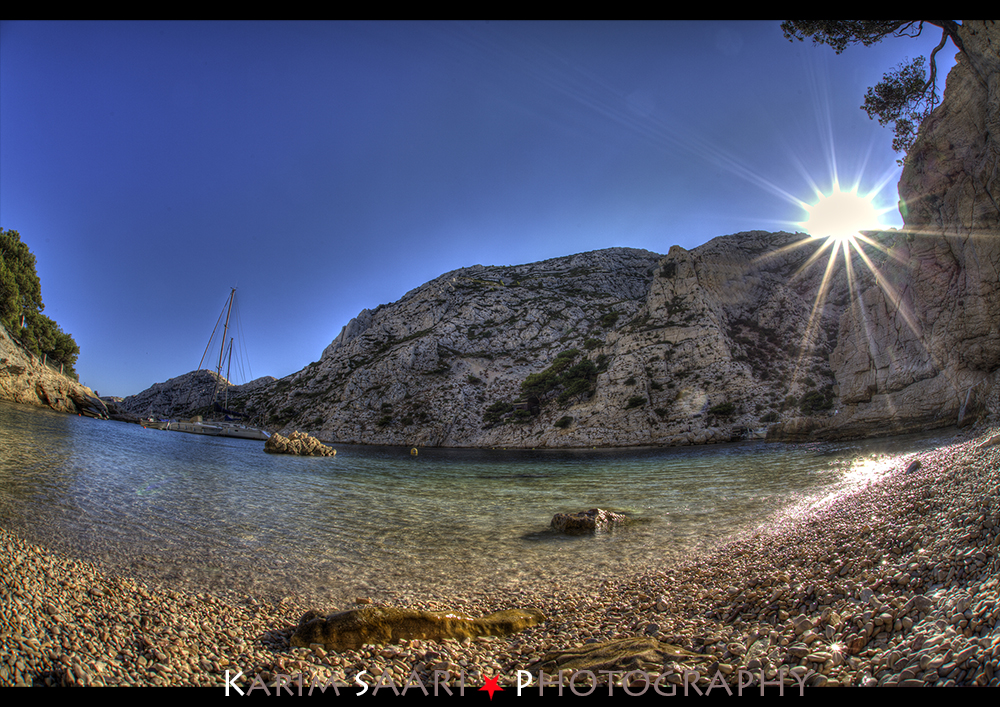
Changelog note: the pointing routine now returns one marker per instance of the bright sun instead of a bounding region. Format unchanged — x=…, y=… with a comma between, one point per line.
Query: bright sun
x=841, y=215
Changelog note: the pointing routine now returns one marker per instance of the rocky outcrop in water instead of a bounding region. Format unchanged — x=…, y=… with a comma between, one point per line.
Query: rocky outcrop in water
x=299, y=444
x=923, y=345
x=383, y=625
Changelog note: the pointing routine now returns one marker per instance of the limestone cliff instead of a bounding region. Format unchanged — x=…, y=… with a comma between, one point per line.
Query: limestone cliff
x=923, y=345
x=743, y=334
x=190, y=394
x=25, y=379
x=613, y=347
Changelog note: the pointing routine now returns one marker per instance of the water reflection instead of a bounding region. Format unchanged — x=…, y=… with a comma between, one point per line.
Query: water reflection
x=220, y=513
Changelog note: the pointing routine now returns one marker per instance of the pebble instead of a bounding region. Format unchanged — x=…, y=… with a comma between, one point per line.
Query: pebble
x=895, y=584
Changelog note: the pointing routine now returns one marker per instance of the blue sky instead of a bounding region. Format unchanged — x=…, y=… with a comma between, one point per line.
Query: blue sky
x=323, y=168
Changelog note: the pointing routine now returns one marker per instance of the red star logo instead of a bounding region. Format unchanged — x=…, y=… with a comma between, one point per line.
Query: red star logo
x=491, y=686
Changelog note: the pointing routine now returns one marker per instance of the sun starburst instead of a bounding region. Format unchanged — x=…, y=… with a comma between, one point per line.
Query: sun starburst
x=848, y=224
x=841, y=215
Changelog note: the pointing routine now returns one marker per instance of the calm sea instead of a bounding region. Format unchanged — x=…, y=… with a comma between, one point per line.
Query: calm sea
x=219, y=514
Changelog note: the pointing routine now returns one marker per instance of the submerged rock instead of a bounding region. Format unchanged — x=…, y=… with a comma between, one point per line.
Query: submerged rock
x=298, y=443
x=587, y=521
x=383, y=625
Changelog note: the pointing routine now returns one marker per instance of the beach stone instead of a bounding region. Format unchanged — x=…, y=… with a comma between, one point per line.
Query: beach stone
x=298, y=443
x=587, y=521
x=383, y=625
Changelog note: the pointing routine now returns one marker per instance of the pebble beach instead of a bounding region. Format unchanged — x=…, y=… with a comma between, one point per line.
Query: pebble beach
x=895, y=583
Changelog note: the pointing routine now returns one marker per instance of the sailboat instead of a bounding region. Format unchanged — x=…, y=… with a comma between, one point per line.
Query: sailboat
x=228, y=427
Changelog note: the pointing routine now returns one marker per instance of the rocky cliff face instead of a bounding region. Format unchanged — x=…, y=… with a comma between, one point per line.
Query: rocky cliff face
x=743, y=334
x=190, y=394
x=923, y=345
x=612, y=347
x=25, y=379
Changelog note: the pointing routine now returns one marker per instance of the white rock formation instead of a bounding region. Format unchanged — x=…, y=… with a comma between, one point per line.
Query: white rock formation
x=687, y=348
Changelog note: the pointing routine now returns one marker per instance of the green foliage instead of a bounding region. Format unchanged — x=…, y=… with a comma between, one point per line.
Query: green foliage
x=521, y=416
x=816, y=401
x=635, y=401
x=495, y=412
x=577, y=387
x=903, y=97
x=21, y=297
x=609, y=319
x=539, y=384
x=10, y=310
x=839, y=34
x=21, y=289
x=564, y=422
x=722, y=410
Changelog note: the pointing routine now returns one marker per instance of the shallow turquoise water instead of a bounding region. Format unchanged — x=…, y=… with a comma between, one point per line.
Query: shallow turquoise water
x=216, y=513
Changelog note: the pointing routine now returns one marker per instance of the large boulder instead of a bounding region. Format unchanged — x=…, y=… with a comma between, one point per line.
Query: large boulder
x=298, y=443
x=382, y=625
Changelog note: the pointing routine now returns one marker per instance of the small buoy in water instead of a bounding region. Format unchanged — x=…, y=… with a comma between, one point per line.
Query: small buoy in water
x=413, y=451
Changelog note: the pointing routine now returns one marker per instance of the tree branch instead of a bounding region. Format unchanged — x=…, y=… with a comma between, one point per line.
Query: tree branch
x=932, y=81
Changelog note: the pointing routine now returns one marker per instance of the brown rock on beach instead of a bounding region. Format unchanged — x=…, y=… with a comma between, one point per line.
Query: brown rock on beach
x=380, y=625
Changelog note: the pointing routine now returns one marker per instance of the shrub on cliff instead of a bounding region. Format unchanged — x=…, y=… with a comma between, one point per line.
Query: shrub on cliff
x=21, y=303
x=722, y=409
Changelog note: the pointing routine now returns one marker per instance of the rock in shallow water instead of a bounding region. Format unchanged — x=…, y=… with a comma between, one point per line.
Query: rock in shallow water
x=298, y=443
x=587, y=521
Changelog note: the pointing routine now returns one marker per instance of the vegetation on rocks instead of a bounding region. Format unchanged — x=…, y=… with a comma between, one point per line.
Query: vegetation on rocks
x=21, y=305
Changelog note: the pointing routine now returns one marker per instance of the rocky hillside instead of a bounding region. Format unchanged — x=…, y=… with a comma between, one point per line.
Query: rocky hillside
x=25, y=379
x=748, y=333
x=924, y=345
x=190, y=394
x=612, y=347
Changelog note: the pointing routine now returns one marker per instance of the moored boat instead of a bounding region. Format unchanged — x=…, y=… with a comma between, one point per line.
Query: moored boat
x=230, y=426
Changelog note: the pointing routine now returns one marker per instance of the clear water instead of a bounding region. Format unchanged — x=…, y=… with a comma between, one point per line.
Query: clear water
x=219, y=514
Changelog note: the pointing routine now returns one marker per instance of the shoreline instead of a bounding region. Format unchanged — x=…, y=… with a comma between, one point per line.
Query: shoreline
x=895, y=583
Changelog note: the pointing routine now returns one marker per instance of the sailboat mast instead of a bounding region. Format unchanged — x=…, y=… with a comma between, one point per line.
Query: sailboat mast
x=229, y=363
x=225, y=330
